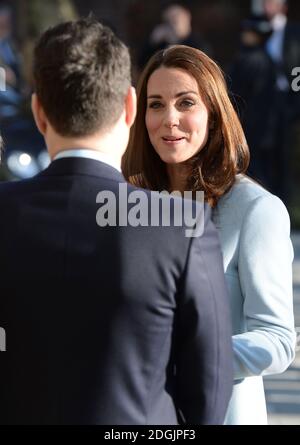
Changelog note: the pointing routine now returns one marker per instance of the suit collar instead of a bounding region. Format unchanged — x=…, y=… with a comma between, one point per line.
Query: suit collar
x=82, y=166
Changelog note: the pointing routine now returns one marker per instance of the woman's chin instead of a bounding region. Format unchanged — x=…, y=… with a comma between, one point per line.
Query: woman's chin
x=172, y=159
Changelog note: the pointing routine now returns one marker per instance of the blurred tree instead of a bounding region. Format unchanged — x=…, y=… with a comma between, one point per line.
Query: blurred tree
x=41, y=15
x=32, y=18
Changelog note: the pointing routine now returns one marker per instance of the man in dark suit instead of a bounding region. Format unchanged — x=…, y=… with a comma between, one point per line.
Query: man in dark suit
x=105, y=322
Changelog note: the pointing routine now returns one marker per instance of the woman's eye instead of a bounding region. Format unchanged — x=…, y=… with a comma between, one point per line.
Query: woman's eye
x=187, y=103
x=155, y=105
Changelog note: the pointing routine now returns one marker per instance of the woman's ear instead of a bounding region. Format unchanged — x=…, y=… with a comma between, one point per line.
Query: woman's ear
x=38, y=114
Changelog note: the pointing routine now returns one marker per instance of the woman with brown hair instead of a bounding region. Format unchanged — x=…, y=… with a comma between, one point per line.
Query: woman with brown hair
x=187, y=136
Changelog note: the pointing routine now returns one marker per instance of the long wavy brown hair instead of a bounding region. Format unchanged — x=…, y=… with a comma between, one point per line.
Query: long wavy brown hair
x=226, y=152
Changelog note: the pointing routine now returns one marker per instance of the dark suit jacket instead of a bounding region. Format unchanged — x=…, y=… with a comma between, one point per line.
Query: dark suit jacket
x=291, y=49
x=113, y=325
x=291, y=60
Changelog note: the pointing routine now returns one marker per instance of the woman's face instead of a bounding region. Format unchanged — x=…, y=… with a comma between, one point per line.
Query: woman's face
x=176, y=117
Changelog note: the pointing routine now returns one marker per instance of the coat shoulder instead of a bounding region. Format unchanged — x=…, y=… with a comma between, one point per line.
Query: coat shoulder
x=247, y=197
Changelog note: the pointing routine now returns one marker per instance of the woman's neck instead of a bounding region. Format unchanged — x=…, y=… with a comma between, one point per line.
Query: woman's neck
x=177, y=174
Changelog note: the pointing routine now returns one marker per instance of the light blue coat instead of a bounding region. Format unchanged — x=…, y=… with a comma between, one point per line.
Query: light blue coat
x=254, y=230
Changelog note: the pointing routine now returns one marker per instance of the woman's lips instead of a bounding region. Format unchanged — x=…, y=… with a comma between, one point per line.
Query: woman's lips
x=173, y=140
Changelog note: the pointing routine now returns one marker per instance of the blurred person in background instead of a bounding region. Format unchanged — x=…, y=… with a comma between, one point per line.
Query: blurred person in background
x=283, y=44
x=252, y=78
x=21, y=138
x=283, y=47
x=10, y=99
x=24, y=153
x=176, y=28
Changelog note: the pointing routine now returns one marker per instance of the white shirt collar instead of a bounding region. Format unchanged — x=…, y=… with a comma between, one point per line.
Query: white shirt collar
x=279, y=22
x=275, y=44
x=88, y=154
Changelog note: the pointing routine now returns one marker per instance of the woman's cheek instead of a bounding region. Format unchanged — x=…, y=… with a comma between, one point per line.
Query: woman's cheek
x=148, y=121
x=152, y=122
x=199, y=125
x=198, y=122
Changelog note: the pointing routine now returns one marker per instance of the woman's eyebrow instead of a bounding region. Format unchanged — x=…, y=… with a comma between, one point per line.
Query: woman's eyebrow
x=158, y=96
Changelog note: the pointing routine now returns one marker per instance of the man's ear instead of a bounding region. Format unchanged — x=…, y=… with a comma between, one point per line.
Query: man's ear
x=130, y=106
x=38, y=114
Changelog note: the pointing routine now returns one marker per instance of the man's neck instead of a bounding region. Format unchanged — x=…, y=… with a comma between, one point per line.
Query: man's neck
x=106, y=146
x=112, y=159
x=58, y=144
x=90, y=154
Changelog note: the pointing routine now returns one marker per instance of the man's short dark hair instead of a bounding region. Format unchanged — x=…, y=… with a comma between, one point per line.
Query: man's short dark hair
x=82, y=76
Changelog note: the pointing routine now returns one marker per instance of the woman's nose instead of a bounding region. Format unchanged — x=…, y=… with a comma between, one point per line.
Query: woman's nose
x=171, y=118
